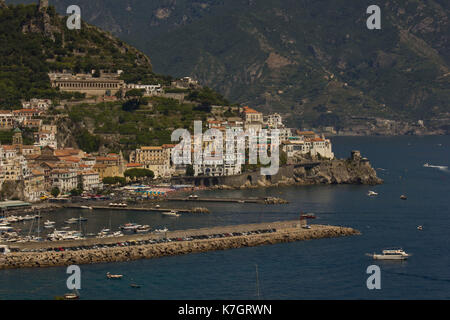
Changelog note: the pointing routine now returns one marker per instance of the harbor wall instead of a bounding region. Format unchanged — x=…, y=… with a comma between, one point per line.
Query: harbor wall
x=285, y=232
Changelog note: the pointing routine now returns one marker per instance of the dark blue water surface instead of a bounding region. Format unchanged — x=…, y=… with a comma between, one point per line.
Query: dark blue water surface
x=318, y=269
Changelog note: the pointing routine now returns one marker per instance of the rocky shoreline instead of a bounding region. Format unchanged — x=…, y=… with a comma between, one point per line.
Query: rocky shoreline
x=289, y=233
x=355, y=170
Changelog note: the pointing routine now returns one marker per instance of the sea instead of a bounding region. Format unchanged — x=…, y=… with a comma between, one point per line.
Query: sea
x=334, y=268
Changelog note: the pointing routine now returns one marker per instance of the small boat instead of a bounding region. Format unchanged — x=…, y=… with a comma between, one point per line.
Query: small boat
x=71, y=221
x=426, y=165
x=308, y=216
x=161, y=230
x=81, y=219
x=71, y=296
x=171, y=213
x=130, y=226
x=113, y=276
x=86, y=207
x=134, y=285
x=391, y=254
x=49, y=224
x=403, y=197
x=144, y=228
x=372, y=193
x=306, y=227
x=420, y=228
x=157, y=206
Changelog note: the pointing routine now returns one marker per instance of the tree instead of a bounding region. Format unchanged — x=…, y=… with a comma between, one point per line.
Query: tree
x=138, y=173
x=190, y=170
x=134, y=93
x=55, y=192
x=114, y=180
x=131, y=105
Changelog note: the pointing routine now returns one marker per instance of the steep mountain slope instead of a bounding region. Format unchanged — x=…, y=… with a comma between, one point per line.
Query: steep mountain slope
x=34, y=42
x=314, y=60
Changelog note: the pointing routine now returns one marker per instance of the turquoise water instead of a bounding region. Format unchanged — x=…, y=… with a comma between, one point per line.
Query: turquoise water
x=319, y=269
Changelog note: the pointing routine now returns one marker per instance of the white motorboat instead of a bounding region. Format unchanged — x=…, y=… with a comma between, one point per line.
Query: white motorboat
x=71, y=221
x=161, y=230
x=49, y=224
x=372, y=193
x=130, y=226
x=144, y=228
x=391, y=254
x=86, y=207
x=113, y=276
x=171, y=213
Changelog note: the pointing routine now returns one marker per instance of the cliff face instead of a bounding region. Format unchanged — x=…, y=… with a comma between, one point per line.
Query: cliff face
x=338, y=172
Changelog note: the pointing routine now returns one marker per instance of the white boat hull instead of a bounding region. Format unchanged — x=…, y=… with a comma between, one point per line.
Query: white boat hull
x=389, y=257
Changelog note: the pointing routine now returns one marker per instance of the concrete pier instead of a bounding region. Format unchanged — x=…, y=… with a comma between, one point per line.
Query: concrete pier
x=286, y=231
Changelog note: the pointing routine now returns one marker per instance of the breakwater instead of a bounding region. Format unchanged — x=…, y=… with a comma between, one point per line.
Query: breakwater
x=129, y=248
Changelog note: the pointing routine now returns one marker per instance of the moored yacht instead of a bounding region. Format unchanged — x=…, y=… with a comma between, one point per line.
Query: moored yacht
x=372, y=193
x=391, y=254
x=171, y=213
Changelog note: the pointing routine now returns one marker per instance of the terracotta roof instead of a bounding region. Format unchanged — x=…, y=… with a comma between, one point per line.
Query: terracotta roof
x=105, y=159
x=151, y=148
x=131, y=165
x=70, y=159
x=250, y=110
x=305, y=132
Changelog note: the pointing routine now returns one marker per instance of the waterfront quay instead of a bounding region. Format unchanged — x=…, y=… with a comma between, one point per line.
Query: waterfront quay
x=134, y=247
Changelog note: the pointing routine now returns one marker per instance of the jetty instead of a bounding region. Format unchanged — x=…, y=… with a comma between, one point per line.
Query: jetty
x=267, y=200
x=133, y=247
x=130, y=208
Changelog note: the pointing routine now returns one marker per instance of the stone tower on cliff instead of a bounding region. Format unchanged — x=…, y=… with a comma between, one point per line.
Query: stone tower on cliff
x=43, y=5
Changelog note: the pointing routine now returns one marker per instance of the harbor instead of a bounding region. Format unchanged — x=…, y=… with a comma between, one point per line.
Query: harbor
x=134, y=247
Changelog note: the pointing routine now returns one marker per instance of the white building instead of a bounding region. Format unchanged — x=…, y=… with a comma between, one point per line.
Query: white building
x=150, y=89
x=89, y=180
x=64, y=180
x=45, y=138
x=274, y=121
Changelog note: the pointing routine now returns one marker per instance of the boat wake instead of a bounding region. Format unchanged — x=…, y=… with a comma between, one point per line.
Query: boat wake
x=442, y=168
x=418, y=276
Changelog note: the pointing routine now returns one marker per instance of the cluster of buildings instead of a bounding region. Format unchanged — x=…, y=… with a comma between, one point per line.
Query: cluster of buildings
x=106, y=84
x=294, y=143
x=42, y=169
x=42, y=166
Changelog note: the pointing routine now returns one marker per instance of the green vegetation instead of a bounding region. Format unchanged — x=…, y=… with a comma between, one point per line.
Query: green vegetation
x=88, y=142
x=207, y=97
x=139, y=174
x=190, y=170
x=293, y=56
x=151, y=123
x=55, y=192
x=114, y=180
x=29, y=50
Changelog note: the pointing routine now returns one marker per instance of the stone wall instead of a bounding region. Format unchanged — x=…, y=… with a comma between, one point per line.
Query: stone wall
x=116, y=254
